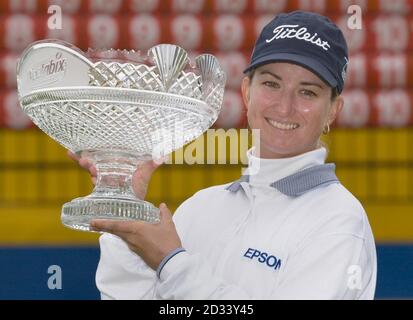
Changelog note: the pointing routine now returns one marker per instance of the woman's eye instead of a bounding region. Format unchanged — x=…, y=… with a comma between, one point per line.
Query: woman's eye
x=309, y=93
x=271, y=84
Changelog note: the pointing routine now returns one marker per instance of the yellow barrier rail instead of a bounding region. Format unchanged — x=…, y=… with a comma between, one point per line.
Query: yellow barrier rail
x=36, y=178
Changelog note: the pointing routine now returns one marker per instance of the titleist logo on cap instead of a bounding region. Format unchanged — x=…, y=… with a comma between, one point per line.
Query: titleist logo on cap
x=294, y=31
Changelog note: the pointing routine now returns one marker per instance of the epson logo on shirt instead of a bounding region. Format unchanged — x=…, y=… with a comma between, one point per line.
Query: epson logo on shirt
x=263, y=257
x=293, y=31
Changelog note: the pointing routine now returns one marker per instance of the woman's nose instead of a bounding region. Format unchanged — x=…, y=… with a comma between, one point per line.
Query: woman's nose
x=285, y=105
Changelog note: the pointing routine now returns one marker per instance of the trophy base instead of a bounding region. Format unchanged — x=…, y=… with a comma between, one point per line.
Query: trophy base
x=78, y=213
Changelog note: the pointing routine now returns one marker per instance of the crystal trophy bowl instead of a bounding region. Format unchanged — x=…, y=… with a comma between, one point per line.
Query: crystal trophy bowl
x=118, y=108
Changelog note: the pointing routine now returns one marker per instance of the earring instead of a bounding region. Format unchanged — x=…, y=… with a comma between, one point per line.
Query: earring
x=326, y=130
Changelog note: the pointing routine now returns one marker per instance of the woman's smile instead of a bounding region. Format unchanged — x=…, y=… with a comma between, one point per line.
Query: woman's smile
x=286, y=126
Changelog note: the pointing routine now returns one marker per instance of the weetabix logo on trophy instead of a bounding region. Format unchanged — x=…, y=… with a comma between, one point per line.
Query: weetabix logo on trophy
x=118, y=108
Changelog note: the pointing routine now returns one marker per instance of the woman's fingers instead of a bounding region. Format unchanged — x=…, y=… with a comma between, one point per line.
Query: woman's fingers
x=84, y=163
x=88, y=165
x=73, y=156
x=142, y=177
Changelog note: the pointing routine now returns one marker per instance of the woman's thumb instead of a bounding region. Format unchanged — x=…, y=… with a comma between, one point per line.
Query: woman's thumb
x=165, y=212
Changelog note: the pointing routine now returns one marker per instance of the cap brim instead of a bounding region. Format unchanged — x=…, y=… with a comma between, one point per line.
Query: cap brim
x=309, y=63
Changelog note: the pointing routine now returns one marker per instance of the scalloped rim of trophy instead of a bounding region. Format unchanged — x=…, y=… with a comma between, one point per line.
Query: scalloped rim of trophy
x=141, y=57
x=125, y=56
x=135, y=56
x=117, y=55
x=221, y=70
x=192, y=65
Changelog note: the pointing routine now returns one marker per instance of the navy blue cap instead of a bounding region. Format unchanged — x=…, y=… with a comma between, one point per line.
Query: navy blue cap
x=307, y=39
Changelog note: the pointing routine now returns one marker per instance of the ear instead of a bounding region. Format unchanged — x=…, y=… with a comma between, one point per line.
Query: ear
x=245, y=91
x=335, y=109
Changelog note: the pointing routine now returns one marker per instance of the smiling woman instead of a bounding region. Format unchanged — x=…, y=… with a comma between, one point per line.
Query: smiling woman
x=291, y=106
x=287, y=229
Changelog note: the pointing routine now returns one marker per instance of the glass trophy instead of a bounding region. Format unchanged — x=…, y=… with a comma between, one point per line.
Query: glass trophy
x=118, y=109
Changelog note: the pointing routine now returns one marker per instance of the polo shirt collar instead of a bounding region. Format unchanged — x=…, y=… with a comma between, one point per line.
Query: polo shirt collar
x=300, y=182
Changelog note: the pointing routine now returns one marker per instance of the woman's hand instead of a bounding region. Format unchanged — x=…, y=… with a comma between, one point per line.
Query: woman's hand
x=152, y=242
x=141, y=177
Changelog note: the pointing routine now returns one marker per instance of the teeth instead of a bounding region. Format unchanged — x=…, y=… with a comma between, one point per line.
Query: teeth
x=283, y=126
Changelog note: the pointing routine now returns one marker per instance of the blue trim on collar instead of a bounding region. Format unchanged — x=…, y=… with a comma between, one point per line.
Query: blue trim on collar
x=308, y=179
x=300, y=182
x=234, y=187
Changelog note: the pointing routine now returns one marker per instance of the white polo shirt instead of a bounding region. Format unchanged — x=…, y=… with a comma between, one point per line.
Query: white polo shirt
x=290, y=231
